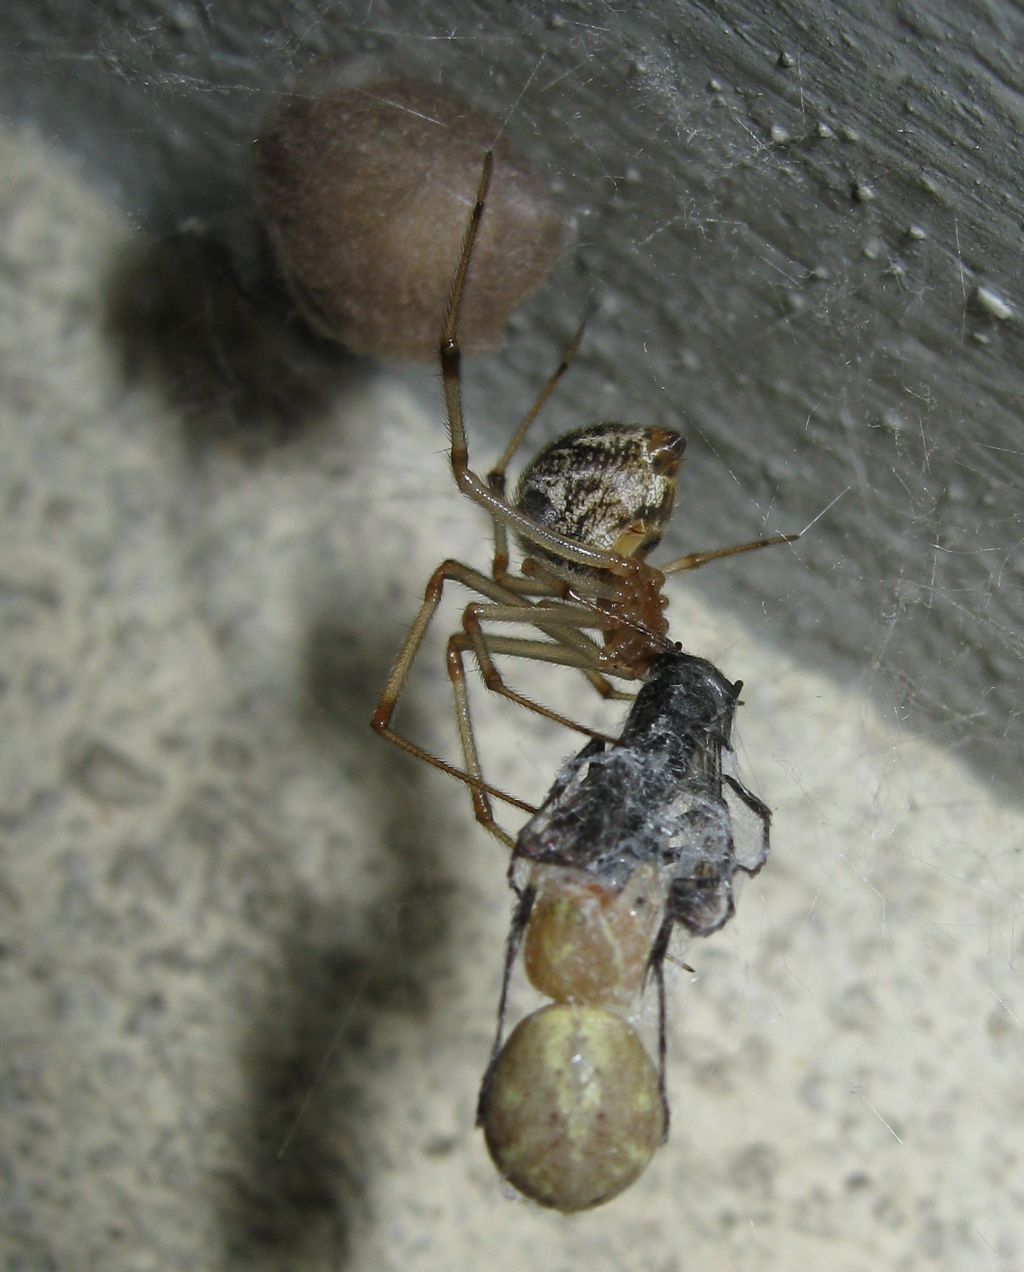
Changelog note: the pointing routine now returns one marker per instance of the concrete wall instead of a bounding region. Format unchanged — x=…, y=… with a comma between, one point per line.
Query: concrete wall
x=803, y=223
x=249, y=956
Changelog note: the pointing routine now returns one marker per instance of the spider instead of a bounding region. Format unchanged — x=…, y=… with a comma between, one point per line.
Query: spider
x=587, y=511
x=631, y=840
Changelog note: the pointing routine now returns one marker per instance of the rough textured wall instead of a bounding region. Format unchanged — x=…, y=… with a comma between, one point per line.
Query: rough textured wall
x=249, y=957
x=802, y=222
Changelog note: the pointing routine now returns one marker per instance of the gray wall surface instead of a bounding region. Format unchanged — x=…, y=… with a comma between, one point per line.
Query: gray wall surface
x=250, y=955
x=803, y=224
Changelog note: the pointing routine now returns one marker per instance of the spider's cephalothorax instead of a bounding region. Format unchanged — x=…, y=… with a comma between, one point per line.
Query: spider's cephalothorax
x=610, y=485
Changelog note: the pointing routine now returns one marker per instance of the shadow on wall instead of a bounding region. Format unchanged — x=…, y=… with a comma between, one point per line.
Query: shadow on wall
x=325, y=1044
x=215, y=331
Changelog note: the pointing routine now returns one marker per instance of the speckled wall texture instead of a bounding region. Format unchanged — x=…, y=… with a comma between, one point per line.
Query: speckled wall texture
x=250, y=955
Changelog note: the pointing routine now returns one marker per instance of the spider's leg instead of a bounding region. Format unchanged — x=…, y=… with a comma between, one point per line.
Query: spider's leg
x=483, y=646
x=694, y=560
x=496, y=477
x=656, y=968
x=576, y=639
x=556, y=621
x=388, y=702
x=508, y=607
x=472, y=485
x=605, y=688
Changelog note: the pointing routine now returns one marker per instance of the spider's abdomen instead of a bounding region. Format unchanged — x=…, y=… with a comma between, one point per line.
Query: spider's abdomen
x=610, y=485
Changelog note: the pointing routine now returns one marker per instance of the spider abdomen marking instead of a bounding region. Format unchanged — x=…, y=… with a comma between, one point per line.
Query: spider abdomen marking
x=611, y=485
